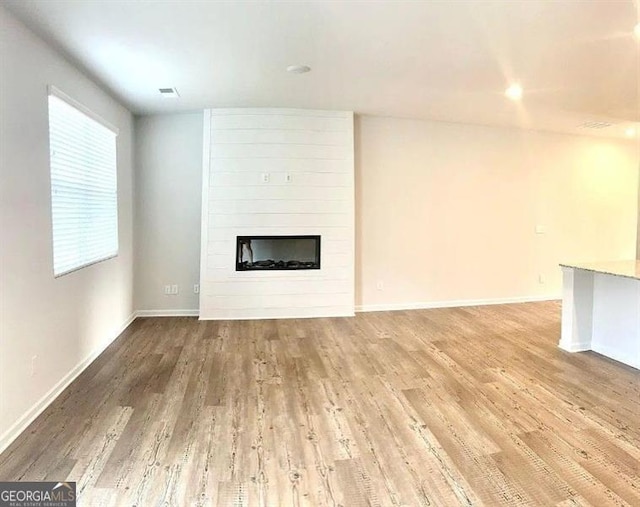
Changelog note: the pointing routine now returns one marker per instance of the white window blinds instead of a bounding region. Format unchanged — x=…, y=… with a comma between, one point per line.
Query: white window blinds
x=84, y=197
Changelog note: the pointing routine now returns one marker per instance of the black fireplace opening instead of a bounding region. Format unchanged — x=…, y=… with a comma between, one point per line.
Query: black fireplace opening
x=274, y=253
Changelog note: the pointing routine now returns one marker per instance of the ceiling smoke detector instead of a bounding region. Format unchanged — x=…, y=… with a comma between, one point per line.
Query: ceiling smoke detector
x=298, y=69
x=595, y=125
x=169, y=93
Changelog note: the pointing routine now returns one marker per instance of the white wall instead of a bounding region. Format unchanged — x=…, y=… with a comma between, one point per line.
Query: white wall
x=313, y=148
x=168, y=199
x=447, y=213
x=61, y=322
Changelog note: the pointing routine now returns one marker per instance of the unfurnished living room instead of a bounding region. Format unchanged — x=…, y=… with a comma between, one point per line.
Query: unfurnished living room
x=319, y=253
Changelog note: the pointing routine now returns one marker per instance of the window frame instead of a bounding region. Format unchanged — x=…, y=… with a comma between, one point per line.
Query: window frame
x=60, y=95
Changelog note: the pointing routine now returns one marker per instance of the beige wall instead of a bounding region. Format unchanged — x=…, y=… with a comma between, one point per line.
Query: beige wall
x=168, y=201
x=59, y=322
x=448, y=212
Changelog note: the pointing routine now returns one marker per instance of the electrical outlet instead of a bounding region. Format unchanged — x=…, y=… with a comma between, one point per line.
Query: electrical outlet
x=380, y=285
x=34, y=360
x=196, y=288
x=288, y=178
x=541, y=279
x=171, y=290
x=265, y=177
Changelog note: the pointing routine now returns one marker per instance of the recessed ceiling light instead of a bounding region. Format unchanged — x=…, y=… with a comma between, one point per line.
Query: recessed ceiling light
x=630, y=132
x=298, y=69
x=636, y=31
x=169, y=93
x=514, y=92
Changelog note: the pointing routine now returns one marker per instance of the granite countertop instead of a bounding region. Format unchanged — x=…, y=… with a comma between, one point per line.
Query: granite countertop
x=627, y=269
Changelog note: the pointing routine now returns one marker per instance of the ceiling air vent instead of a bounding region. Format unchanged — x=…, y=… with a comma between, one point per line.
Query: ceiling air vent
x=595, y=125
x=168, y=93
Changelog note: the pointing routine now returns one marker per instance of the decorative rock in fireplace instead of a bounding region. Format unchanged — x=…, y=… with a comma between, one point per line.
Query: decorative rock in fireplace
x=259, y=253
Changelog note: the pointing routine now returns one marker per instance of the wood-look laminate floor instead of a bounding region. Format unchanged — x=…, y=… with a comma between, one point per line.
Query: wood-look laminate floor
x=463, y=406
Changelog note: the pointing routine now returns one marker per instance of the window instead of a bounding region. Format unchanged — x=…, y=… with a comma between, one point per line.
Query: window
x=84, y=193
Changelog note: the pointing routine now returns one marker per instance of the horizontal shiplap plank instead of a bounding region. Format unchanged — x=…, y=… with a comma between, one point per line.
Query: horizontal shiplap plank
x=277, y=220
x=209, y=287
x=283, y=165
x=277, y=300
x=265, y=287
x=291, y=151
x=280, y=192
x=327, y=233
x=281, y=112
x=278, y=206
x=229, y=273
x=270, y=136
x=213, y=313
x=232, y=179
x=277, y=121
x=226, y=271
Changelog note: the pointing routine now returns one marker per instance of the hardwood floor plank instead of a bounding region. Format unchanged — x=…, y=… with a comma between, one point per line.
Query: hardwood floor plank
x=560, y=457
x=444, y=407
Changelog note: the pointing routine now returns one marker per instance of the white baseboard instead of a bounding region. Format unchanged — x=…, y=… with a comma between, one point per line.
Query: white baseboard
x=167, y=313
x=21, y=424
x=286, y=317
x=452, y=304
x=616, y=355
x=360, y=308
x=575, y=347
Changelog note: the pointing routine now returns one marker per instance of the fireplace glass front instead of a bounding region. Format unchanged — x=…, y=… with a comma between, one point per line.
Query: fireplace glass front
x=273, y=253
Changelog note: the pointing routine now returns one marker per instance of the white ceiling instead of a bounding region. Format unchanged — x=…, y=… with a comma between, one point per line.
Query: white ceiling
x=443, y=60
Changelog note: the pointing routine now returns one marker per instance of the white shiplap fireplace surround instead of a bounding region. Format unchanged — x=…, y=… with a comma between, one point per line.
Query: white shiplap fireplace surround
x=277, y=172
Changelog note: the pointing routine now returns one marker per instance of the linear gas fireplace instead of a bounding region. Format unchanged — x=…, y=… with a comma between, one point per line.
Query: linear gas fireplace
x=273, y=253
